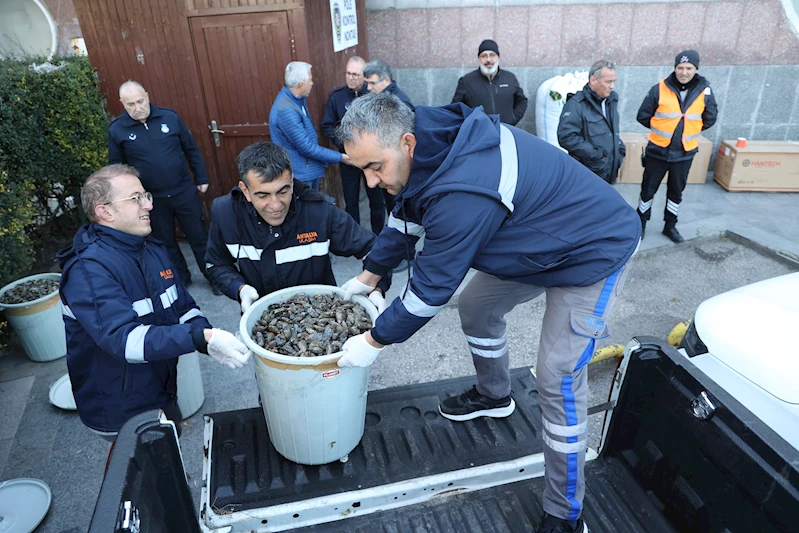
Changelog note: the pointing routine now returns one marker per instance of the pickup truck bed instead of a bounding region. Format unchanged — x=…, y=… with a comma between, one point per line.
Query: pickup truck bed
x=661, y=468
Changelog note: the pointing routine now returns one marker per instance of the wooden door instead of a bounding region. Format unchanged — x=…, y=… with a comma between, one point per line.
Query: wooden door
x=241, y=59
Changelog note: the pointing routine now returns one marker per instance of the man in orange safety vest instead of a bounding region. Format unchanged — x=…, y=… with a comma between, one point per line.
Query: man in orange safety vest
x=676, y=111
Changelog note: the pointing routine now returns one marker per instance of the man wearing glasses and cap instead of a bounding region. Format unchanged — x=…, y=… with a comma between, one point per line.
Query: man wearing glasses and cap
x=127, y=315
x=497, y=90
x=589, y=123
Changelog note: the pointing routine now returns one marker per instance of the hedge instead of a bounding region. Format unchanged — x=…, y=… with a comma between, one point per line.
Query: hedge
x=53, y=126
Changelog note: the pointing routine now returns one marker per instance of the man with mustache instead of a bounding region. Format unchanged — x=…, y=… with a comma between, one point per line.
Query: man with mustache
x=497, y=90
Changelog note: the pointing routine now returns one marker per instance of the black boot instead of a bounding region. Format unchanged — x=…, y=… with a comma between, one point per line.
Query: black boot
x=643, y=228
x=670, y=231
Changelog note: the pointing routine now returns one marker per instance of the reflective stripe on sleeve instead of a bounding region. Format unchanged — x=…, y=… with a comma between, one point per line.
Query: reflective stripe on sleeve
x=191, y=313
x=415, y=306
x=399, y=225
x=509, y=174
x=239, y=251
x=143, y=306
x=134, y=345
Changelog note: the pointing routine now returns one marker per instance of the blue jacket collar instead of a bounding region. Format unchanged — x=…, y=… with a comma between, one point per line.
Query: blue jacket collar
x=300, y=100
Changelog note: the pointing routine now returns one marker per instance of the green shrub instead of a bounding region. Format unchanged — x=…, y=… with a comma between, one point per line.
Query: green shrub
x=53, y=128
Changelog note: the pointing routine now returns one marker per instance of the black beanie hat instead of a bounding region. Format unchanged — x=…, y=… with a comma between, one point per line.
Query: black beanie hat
x=488, y=44
x=687, y=56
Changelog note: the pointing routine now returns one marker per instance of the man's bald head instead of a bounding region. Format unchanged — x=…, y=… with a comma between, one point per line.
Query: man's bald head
x=135, y=99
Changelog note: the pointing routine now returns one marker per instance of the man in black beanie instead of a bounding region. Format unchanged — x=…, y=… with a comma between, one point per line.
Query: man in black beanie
x=676, y=111
x=498, y=91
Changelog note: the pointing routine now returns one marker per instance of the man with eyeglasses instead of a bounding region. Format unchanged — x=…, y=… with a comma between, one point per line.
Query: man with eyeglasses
x=496, y=89
x=676, y=110
x=158, y=144
x=338, y=102
x=128, y=317
x=589, y=124
x=379, y=79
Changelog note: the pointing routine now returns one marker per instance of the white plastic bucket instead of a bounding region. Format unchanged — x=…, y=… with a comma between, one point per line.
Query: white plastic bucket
x=190, y=384
x=39, y=324
x=314, y=410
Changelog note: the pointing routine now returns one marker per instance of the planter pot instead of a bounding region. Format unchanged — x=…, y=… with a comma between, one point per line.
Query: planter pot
x=38, y=323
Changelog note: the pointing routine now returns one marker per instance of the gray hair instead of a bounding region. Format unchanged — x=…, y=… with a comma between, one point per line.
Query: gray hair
x=597, y=67
x=378, y=67
x=358, y=59
x=382, y=114
x=297, y=72
x=130, y=84
x=98, y=189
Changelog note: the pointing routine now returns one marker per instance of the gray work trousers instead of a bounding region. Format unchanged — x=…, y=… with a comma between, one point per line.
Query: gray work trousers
x=574, y=319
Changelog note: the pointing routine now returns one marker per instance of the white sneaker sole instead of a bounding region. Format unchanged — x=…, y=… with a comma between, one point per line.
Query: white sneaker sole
x=497, y=412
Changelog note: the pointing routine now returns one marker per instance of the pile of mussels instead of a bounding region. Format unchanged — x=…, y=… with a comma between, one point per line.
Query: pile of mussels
x=308, y=326
x=30, y=290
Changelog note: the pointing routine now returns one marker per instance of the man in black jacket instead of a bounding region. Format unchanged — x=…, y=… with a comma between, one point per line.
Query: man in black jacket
x=338, y=102
x=273, y=232
x=158, y=144
x=497, y=90
x=676, y=111
x=378, y=79
x=589, y=124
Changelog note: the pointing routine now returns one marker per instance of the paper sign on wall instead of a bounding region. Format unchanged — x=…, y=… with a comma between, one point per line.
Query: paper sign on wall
x=345, y=24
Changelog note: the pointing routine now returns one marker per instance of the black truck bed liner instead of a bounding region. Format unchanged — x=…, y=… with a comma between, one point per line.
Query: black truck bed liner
x=405, y=437
x=614, y=503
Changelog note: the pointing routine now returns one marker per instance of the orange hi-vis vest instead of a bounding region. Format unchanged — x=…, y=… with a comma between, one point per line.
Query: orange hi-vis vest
x=668, y=115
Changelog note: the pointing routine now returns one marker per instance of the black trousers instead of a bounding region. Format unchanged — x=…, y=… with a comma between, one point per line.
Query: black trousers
x=351, y=178
x=186, y=209
x=653, y=175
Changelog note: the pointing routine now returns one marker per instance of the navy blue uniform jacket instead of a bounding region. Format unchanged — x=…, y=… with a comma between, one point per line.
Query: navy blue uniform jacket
x=159, y=150
x=127, y=318
x=519, y=209
x=338, y=102
x=243, y=249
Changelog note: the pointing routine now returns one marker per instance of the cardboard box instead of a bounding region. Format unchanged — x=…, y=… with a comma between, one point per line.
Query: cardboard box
x=759, y=166
x=635, y=143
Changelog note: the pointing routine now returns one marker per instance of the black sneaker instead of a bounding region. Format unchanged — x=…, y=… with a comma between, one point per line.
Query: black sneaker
x=671, y=232
x=471, y=404
x=550, y=524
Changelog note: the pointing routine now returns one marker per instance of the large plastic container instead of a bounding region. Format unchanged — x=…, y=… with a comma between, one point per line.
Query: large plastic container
x=38, y=323
x=314, y=410
x=191, y=394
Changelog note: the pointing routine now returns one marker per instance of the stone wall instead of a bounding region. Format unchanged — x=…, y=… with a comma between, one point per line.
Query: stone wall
x=749, y=51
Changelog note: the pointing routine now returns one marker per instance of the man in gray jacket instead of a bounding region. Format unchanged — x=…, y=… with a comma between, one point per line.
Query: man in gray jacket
x=589, y=124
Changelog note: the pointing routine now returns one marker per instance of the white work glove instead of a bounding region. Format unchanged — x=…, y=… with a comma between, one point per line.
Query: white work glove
x=227, y=349
x=358, y=352
x=353, y=287
x=247, y=296
x=377, y=299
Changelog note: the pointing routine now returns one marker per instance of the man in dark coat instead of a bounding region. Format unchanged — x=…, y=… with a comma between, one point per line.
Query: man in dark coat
x=589, y=124
x=530, y=220
x=338, y=102
x=676, y=110
x=158, y=144
x=497, y=90
x=274, y=231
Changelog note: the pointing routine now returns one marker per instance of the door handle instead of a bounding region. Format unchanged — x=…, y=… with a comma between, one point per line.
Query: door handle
x=216, y=132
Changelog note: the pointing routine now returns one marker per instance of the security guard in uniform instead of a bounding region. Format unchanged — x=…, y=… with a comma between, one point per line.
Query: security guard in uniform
x=158, y=144
x=676, y=111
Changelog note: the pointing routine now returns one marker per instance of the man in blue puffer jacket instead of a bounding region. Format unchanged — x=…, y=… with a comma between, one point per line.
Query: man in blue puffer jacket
x=291, y=127
x=127, y=315
x=530, y=220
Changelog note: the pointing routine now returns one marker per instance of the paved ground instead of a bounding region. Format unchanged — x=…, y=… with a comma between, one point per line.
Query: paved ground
x=665, y=285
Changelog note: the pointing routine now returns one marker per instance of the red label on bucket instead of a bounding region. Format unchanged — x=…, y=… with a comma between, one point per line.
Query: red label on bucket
x=331, y=374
